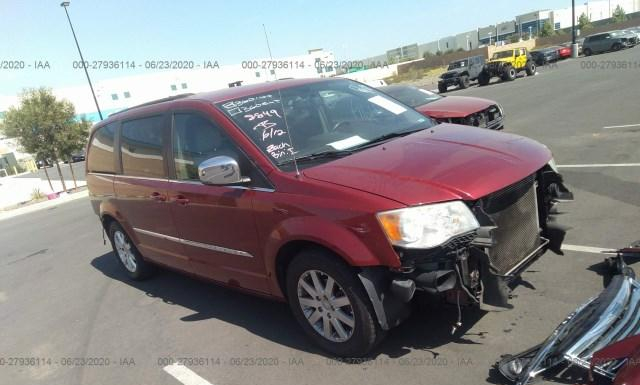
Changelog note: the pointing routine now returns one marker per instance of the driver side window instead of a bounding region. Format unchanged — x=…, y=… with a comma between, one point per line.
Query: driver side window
x=196, y=139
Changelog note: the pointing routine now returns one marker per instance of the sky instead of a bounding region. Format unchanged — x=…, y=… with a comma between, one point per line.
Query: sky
x=37, y=32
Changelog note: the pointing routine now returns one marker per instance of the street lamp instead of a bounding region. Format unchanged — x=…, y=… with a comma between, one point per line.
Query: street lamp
x=489, y=38
x=530, y=27
x=64, y=5
x=468, y=48
x=574, y=45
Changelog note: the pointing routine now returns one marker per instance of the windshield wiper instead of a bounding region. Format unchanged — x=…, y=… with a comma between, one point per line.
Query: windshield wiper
x=387, y=137
x=319, y=155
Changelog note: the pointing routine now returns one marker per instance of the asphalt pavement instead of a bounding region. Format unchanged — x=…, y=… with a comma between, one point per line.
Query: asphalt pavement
x=65, y=301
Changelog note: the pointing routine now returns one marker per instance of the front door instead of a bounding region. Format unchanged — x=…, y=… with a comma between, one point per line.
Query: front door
x=216, y=223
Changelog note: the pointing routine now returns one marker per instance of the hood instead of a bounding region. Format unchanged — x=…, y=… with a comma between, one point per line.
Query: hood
x=454, y=71
x=446, y=162
x=454, y=107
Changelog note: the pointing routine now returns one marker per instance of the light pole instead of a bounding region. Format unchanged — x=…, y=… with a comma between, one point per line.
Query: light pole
x=64, y=5
x=530, y=27
x=489, y=38
x=468, y=48
x=574, y=45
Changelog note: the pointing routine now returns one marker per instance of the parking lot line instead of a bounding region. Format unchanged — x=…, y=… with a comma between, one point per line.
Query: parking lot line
x=584, y=249
x=623, y=126
x=599, y=165
x=185, y=375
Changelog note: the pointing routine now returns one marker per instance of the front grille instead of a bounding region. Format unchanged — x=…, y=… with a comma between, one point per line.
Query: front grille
x=515, y=213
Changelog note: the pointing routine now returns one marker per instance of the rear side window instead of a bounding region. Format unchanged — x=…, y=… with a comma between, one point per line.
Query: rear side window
x=141, y=146
x=101, y=154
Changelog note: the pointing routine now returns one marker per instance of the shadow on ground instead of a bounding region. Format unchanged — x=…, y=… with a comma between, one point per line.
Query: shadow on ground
x=427, y=329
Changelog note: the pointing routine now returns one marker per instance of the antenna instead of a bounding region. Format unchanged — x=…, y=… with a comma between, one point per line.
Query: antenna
x=284, y=114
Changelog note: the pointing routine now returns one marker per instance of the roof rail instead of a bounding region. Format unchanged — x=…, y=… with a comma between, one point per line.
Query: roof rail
x=167, y=99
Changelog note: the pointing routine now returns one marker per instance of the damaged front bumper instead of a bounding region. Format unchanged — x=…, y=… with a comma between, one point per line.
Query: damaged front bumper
x=608, y=318
x=517, y=226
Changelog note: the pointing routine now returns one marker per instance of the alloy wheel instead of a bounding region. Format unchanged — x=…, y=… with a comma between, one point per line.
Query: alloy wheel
x=326, y=306
x=123, y=248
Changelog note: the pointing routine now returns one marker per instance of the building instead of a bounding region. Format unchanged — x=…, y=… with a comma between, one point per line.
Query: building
x=12, y=161
x=467, y=40
x=530, y=24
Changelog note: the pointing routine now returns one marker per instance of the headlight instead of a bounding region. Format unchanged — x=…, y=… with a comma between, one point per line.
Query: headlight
x=425, y=227
x=553, y=165
x=500, y=109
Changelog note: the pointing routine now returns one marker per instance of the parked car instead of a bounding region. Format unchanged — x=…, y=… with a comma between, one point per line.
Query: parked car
x=376, y=83
x=544, y=56
x=78, y=157
x=461, y=73
x=44, y=163
x=608, y=41
x=465, y=110
x=506, y=65
x=563, y=52
x=325, y=193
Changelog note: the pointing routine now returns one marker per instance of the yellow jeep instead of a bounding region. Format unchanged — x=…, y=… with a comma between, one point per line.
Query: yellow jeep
x=506, y=65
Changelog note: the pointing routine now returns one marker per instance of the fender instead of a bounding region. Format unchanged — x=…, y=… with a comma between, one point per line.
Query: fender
x=345, y=242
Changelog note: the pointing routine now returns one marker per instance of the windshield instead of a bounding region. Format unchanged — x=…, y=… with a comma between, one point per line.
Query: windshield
x=411, y=96
x=458, y=64
x=502, y=55
x=320, y=117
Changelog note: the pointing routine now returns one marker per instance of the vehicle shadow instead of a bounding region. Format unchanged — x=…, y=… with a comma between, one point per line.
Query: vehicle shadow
x=427, y=329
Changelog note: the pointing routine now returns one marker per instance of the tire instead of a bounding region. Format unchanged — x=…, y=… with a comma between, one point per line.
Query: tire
x=310, y=270
x=483, y=78
x=587, y=52
x=531, y=68
x=509, y=74
x=463, y=82
x=617, y=47
x=127, y=254
x=442, y=88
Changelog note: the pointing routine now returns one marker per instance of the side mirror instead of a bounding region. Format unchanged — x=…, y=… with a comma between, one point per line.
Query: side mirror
x=221, y=170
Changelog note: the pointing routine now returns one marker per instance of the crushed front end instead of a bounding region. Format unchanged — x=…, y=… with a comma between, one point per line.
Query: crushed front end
x=516, y=226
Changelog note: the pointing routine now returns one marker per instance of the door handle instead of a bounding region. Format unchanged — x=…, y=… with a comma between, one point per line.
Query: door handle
x=156, y=196
x=181, y=200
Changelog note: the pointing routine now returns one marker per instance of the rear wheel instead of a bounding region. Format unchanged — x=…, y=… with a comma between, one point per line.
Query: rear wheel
x=442, y=88
x=129, y=257
x=531, y=68
x=463, y=82
x=330, y=304
x=509, y=74
x=483, y=78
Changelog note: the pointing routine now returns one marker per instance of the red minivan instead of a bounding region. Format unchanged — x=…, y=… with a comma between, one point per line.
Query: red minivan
x=327, y=194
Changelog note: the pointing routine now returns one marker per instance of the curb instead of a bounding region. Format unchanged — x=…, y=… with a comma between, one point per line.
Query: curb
x=43, y=205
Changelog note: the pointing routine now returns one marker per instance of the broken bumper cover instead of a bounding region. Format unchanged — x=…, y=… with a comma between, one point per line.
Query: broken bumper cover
x=610, y=317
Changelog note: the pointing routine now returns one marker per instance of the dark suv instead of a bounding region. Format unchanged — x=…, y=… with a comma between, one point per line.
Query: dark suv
x=325, y=193
x=461, y=73
x=608, y=41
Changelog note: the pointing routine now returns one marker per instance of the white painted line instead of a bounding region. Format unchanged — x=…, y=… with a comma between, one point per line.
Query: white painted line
x=599, y=165
x=623, y=126
x=185, y=375
x=584, y=249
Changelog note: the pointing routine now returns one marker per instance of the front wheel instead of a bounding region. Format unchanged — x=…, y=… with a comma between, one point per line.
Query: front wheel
x=587, y=52
x=330, y=304
x=617, y=47
x=464, y=82
x=483, y=78
x=509, y=74
x=442, y=88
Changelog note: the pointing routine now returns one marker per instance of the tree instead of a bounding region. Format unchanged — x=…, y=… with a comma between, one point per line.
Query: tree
x=619, y=15
x=46, y=127
x=547, y=29
x=584, y=22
